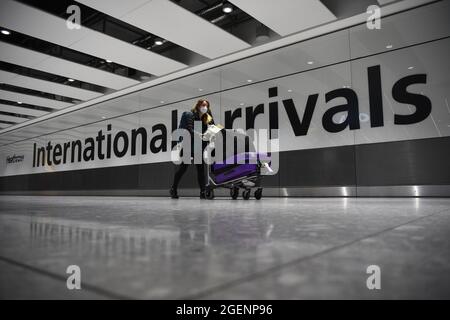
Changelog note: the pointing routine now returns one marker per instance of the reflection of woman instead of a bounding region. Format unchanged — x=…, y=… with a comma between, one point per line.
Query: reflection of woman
x=200, y=112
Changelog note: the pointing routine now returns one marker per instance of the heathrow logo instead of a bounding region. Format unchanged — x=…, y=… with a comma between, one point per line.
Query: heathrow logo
x=14, y=159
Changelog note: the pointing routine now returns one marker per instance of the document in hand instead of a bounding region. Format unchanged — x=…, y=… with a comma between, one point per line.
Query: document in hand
x=212, y=131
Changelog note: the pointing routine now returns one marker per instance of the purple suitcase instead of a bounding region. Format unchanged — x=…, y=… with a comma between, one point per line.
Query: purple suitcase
x=237, y=166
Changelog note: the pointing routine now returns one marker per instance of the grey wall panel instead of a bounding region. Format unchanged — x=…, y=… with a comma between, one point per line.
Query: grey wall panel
x=76, y=181
x=272, y=181
x=413, y=162
x=50, y=181
x=189, y=179
x=124, y=177
x=14, y=183
x=117, y=178
x=155, y=175
x=318, y=167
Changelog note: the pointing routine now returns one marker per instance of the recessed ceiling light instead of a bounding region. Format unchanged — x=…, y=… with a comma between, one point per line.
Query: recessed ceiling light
x=227, y=8
x=6, y=32
x=103, y=117
x=262, y=33
x=162, y=101
x=108, y=61
x=389, y=46
x=159, y=41
x=200, y=89
x=289, y=90
x=310, y=62
x=70, y=80
x=19, y=102
x=410, y=68
x=241, y=104
x=249, y=80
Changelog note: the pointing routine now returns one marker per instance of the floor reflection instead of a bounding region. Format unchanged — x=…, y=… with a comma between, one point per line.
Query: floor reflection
x=201, y=230
x=153, y=248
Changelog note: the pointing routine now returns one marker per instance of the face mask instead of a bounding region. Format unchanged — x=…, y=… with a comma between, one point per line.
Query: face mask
x=203, y=110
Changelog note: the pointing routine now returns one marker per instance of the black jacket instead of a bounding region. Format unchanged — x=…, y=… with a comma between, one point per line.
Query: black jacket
x=187, y=122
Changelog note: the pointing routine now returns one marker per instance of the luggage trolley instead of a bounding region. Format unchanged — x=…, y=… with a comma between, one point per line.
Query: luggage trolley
x=242, y=169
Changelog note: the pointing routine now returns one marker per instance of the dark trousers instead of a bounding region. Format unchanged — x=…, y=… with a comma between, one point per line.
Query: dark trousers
x=181, y=171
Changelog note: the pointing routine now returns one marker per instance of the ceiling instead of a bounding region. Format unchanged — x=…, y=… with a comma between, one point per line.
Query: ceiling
x=45, y=66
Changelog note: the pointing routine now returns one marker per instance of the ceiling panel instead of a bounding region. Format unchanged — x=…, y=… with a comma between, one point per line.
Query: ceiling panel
x=172, y=22
x=402, y=30
x=12, y=119
x=46, y=86
x=39, y=24
x=383, y=2
x=287, y=16
x=21, y=110
x=46, y=63
x=310, y=54
x=33, y=100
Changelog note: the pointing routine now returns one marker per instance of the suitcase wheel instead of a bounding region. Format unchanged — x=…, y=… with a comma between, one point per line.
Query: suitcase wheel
x=258, y=193
x=209, y=194
x=234, y=193
x=246, y=194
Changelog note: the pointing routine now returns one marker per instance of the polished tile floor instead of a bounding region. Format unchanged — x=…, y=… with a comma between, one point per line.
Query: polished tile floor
x=276, y=248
